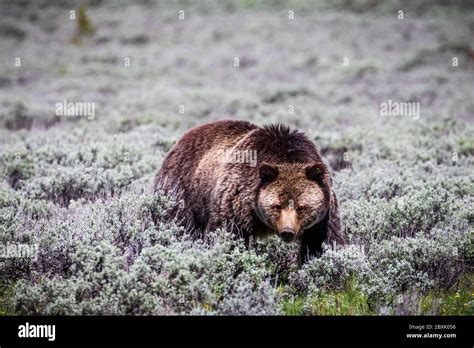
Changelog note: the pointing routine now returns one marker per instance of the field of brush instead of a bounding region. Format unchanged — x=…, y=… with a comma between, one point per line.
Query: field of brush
x=77, y=189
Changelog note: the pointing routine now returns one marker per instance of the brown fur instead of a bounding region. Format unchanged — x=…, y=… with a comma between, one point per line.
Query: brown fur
x=289, y=189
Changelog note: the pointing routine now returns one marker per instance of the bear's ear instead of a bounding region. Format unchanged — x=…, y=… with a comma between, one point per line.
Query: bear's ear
x=268, y=172
x=315, y=172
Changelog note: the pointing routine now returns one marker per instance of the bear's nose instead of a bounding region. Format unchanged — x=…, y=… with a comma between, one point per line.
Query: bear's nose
x=287, y=234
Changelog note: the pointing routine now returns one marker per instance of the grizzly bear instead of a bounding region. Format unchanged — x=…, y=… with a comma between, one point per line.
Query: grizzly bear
x=285, y=189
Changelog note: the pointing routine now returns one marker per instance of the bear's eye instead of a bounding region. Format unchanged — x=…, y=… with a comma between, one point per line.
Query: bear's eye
x=276, y=206
x=300, y=209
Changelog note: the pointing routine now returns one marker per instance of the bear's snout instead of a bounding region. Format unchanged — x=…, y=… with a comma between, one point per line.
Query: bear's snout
x=288, y=224
x=287, y=234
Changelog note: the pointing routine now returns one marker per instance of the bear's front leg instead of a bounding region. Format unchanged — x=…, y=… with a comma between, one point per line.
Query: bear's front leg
x=311, y=242
x=310, y=246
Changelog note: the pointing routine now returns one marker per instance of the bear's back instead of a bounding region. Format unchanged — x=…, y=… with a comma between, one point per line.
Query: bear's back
x=188, y=152
x=195, y=157
x=189, y=172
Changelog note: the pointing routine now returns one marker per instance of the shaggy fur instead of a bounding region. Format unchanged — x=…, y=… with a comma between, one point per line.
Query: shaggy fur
x=252, y=199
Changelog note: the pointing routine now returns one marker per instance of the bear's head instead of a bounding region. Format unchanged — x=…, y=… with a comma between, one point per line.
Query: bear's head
x=292, y=197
